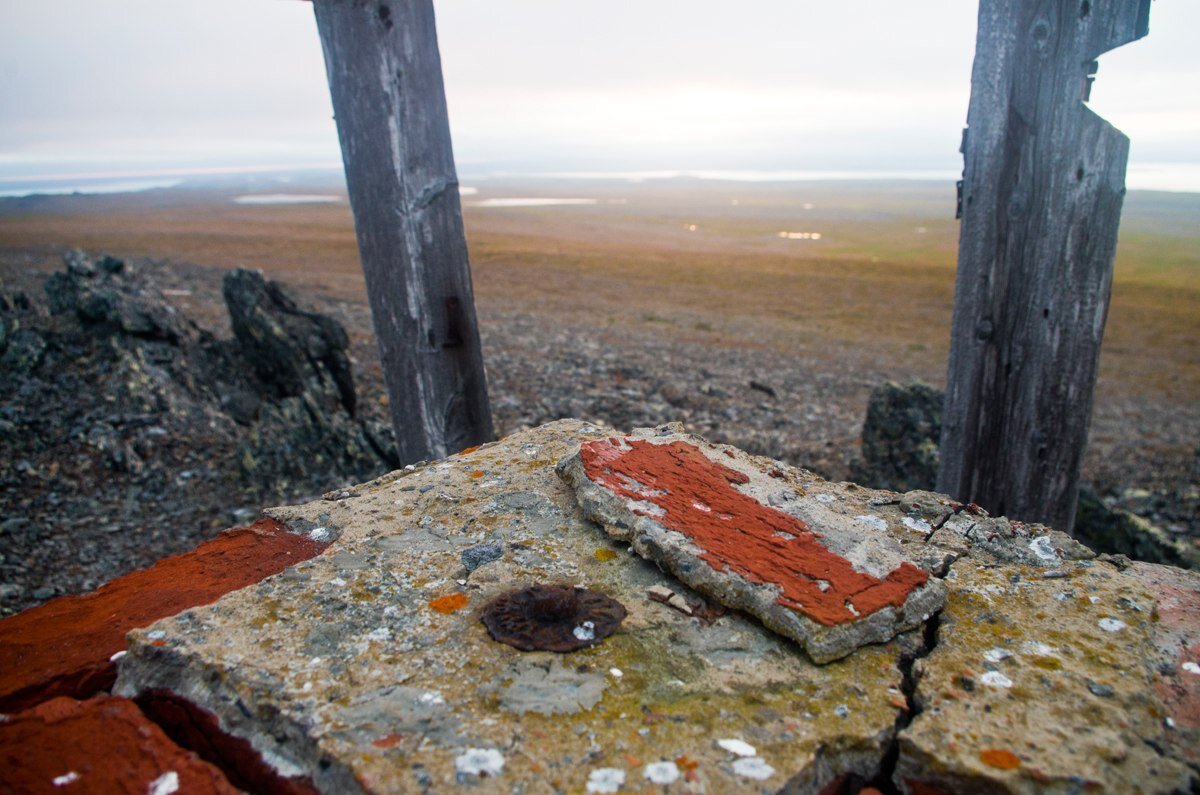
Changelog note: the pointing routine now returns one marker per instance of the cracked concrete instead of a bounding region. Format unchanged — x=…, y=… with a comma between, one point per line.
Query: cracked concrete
x=366, y=669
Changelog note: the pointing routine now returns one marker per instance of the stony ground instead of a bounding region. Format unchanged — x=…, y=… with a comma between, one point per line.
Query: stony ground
x=74, y=513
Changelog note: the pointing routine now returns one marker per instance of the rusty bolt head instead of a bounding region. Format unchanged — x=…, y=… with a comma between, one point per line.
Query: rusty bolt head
x=558, y=618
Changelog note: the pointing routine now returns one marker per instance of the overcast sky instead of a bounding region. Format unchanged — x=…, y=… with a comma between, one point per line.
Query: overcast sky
x=550, y=85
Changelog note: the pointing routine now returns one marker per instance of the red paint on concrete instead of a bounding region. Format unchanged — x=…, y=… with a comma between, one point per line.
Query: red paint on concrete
x=102, y=745
x=199, y=730
x=694, y=495
x=63, y=647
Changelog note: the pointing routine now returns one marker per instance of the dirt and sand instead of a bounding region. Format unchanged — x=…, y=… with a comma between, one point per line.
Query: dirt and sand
x=671, y=300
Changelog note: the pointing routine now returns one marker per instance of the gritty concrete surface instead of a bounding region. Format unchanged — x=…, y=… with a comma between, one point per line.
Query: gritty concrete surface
x=823, y=572
x=66, y=646
x=367, y=668
x=103, y=745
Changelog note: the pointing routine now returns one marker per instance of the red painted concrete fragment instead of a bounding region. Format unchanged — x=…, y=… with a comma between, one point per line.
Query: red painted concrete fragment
x=694, y=495
x=101, y=745
x=63, y=647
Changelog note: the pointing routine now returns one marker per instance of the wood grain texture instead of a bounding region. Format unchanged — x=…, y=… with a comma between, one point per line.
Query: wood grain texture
x=385, y=77
x=1044, y=181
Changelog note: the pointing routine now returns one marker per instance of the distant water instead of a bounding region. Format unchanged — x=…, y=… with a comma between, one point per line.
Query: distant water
x=527, y=202
x=16, y=189
x=288, y=198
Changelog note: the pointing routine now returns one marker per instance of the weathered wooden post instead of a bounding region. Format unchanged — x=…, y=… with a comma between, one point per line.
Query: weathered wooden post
x=385, y=77
x=1041, y=200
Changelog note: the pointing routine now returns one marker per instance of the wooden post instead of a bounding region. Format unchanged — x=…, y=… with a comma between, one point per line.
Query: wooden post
x=1041, y=199
x=385, y=77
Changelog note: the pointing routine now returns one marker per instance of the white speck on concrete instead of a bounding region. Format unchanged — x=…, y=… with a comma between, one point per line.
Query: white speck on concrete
x=995, y=679
x=166, y=784
x=432, y=697
x=65, y=779
x=118, y=655
x=825, y=498
x=586, y=631
x=379, y=635
x=738, y=747
x=997, y=654
x=920, y=525
x=156, y=634
x=319, y=534
x=873, y=522
x=1111, y=624
x=754, y=768
x=1191, y=667
x=1043, y=548
x=605, y=779
x=662, y=773
x=1035, y=648
x=338, y=582
x=479, y=762
x=616, y=673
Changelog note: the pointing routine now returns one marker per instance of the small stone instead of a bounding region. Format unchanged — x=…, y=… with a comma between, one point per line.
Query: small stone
x=1111, y=624
x=659, y=593
x=605, y=779
x=662, y=773
x=754, y=768
x=738, y=747
x=479, y=762
x=1097, y=689
x=480, y=554
x=842, y=711
x=996, y=679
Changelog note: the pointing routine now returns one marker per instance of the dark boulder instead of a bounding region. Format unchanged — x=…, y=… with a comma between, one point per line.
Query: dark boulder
x=900, y=438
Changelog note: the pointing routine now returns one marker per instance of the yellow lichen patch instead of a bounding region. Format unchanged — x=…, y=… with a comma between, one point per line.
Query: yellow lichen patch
x=604, y=555
x=450, y=603
x=999, y=758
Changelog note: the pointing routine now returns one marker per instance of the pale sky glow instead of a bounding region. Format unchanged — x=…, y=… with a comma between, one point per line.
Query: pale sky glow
x=553, y=86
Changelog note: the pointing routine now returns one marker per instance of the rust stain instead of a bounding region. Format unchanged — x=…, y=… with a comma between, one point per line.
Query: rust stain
x=695, y=496
x=999, y=758
x=450, y=603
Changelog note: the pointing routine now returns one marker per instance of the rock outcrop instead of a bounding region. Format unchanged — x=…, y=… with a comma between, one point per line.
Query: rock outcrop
x=900, y=437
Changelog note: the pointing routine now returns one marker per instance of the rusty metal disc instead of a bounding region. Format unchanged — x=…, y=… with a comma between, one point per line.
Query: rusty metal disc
x=557, y=617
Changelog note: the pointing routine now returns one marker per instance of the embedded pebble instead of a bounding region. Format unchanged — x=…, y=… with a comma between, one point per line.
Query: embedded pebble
x=997, y=655
x=842, y=711
x=662, y=773
x=479, y=762
x=1043, y=547
x=1191, y=667
x=586, y=631
x=1111, y=624
x=920, y=525
x=995, y=679
x=605, y=779
x=753, y=767
x=738, y=747
x=166, y=784
x=476, y=556
x=1104, y=691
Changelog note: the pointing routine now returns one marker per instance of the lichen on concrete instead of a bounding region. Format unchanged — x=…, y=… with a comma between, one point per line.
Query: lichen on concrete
x=367, y=668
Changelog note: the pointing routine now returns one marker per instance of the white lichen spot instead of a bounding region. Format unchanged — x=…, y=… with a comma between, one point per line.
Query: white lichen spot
x=1043, y=548
x=166, y=784
x=1111, y=624
x=379, y=635
x=479, y=762
x=874, y=522
x=307, y=687
x=432, y=697
x=699, y=506
x=338, y=582
x=662, y=773
x=1035, y=648
x=118, y=655
x=156, y=634
x=585, y=631
x=1191, y=667
x=65, y=779
x=616, y=673
x=997, y=654
x=825, y=498
x=995, y=679
x=920, y=525
x=754, y=768
x=320, y=534
x=605, y=779
x=738, y=747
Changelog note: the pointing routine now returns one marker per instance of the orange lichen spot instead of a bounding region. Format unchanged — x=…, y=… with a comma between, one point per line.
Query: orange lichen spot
x=999, y=758
x=388, y=741
x=695, y=496
x=604, y=555
x=477, y=474
x=685, y=762
x=633, y=761
x=899, y=702
x=450, y=603
x=470, y=449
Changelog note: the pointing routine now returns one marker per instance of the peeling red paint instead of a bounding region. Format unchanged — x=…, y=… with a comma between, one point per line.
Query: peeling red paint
x=694, y=495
